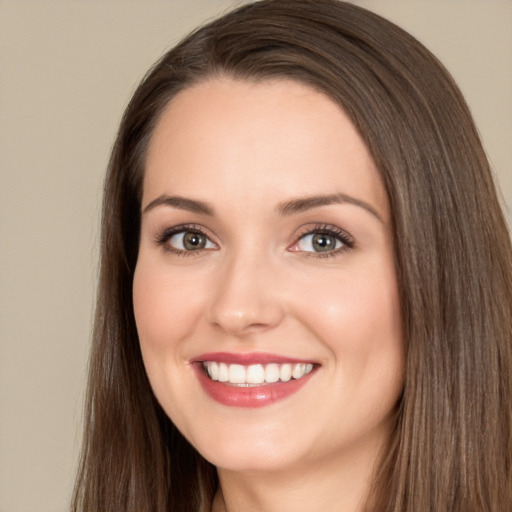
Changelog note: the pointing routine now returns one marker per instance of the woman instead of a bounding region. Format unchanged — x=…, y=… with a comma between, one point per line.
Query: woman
x=305, y=298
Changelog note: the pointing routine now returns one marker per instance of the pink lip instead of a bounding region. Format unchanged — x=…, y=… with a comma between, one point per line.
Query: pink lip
x=255, y=396
x=246, y=358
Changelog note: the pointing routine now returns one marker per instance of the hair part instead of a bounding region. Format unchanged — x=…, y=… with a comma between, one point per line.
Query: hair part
x=452, y=445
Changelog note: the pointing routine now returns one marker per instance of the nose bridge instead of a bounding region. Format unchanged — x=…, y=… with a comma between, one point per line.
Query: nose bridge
x=245, y=299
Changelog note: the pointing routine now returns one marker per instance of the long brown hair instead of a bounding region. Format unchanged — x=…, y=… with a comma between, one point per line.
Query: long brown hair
x=452, y=445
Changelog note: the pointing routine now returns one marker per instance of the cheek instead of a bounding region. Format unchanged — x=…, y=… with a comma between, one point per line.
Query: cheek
x=357, y=306
x=357, y=316
x=166, y=313
x=166, y=307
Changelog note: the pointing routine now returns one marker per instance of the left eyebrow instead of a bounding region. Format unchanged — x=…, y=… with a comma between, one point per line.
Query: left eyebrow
x=307, y=203
x=182, y=203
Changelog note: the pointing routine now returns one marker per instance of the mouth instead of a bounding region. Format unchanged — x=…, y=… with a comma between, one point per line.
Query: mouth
x=255, y=374
x=251, y=380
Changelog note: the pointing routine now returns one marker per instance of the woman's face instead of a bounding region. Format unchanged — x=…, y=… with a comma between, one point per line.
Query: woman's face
x=266, y=260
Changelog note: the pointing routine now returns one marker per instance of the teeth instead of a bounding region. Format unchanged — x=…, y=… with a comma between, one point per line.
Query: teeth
x=223, y=372
x=255, y=374
x=213, y=371
x=271, y=373
x=298, y=370
x=236, y=374
x=285, y=374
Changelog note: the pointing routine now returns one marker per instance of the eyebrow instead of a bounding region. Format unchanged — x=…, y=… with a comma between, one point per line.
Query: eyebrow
x=307, y=203
x=291, y=207
x=182, y=203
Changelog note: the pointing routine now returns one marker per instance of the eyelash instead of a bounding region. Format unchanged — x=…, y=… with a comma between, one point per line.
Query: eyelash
x=347, y=241
x=163, y=237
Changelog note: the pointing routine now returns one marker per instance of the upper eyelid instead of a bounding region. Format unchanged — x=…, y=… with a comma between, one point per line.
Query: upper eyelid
x=166, y=233
x=325, y=228
x=186, y=227
x=320, y=228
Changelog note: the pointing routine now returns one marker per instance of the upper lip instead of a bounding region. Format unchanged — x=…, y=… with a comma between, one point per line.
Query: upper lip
x=248, y=358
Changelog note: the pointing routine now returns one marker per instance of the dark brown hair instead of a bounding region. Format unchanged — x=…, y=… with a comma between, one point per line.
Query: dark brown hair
x=452, y=445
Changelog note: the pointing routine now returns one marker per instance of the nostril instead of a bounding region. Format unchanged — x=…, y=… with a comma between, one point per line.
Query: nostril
x=239, y=324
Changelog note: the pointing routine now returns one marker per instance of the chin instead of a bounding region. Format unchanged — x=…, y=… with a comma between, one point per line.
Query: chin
x=251, y=461
x=244, y=451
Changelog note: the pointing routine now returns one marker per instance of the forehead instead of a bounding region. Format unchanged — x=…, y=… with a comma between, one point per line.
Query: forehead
x=279, y=137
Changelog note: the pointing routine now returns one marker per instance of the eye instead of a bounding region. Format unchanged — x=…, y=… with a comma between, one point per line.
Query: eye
x=190, y=241
x=182, y=240
x=318, y=242
x=323, y=241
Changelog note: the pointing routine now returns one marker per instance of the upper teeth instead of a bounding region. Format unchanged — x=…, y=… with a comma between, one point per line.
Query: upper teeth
x=256, y=373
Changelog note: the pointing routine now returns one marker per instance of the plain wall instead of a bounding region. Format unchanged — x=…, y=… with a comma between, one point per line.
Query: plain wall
x=67, y=70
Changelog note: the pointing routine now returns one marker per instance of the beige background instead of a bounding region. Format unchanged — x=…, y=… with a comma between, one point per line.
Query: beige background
x=67, y=70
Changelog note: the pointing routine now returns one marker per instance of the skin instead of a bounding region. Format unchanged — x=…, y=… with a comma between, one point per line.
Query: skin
x=257, y=286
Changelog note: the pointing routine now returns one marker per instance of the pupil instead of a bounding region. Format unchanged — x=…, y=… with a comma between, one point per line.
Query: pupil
x=194, y=241
x=323, y=242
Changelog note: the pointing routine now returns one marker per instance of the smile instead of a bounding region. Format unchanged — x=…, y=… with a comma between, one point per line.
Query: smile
x=255, y=374
x=251, y=380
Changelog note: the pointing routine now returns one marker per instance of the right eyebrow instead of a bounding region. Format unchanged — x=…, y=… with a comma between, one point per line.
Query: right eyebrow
x=181, y=203
x=306, y=203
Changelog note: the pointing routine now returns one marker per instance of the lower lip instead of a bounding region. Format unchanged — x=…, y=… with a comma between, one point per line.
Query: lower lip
x=254, y=396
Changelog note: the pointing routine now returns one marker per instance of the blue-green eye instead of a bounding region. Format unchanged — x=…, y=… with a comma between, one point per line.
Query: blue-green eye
x=319, y=242
x=323, y=240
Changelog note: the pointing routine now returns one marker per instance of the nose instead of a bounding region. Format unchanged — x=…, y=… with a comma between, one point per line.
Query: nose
x=246, y=299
